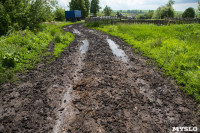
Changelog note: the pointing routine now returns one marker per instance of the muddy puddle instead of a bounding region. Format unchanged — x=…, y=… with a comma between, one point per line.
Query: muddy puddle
x=91, y=31
x=117, y=51
x=75, y=31
x=65, y=110
x=84, y=47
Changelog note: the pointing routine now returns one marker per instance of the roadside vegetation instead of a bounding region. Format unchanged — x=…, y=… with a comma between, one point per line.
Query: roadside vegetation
x=174, y=47
x=26, y=30
x=21, y=50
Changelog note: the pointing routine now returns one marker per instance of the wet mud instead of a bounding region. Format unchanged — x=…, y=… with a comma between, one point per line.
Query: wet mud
x=98, y=84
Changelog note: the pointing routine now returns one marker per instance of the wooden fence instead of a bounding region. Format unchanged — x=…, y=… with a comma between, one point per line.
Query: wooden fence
x=114, y=20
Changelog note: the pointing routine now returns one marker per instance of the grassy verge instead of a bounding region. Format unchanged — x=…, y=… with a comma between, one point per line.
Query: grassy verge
x=21, y=50
x=176, y=48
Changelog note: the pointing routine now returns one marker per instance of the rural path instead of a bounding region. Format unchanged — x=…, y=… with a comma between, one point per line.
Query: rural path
x=97, y=85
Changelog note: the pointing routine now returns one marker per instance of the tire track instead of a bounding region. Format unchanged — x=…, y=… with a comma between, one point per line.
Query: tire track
x=120, y=93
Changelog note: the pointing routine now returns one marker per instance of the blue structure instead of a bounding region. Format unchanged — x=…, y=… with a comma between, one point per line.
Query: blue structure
x=73, y=15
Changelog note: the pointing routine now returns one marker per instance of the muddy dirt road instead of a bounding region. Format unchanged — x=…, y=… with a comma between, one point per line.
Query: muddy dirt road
x=97, y=85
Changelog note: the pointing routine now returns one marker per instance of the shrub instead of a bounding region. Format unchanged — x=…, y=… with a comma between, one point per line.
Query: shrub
x=163, y=12
x=59, y=14
x=189, y=13
x=4, y=20
x=8, y=61
x=58, y=38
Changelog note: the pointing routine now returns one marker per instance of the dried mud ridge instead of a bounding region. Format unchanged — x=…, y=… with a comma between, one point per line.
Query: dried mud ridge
x=95, y=86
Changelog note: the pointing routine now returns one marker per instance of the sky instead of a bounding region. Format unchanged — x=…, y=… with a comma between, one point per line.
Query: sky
x=180, y=5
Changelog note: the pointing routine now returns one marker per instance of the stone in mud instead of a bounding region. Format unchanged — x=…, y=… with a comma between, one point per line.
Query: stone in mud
x=61, y=109
x=38, y=103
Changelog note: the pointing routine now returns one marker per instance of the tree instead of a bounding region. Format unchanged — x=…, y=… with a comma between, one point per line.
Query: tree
x=165, y=11
x=199, y=5
x=73, y=5
x=59, y=14
x=94, y=7
x=189, y=13
x=107, y=11
x=23, y=13
x=170, y=3
x=87, y=5
x=40, y=11
x=78, y=5
x=4, y=20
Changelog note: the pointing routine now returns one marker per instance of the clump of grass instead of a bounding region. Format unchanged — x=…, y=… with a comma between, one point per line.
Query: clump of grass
x=61, y=42
x=175, y=48
x=156, y=43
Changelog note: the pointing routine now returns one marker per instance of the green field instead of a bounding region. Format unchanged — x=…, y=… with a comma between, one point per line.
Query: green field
x=176, y=49
x=21, y=50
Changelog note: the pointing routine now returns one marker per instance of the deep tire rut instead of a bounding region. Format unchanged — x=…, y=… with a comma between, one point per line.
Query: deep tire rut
x=89, y=89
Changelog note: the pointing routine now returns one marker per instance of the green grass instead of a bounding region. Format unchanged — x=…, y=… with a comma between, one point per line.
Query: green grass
x=21, y=50
x=176, y=49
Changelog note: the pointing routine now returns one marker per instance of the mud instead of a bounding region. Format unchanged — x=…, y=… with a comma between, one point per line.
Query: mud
x=91, y=89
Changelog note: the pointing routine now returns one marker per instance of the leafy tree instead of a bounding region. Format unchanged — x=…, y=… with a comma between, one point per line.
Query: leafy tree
x=78, y=5
x=23, y=13
x=40, y=11
x=165, y=11
x=87, y=5
x=82, y=8
x=94, y=7
x=107, y=11
x=73, y=5
x=4, y=20
x=189, y=13
x=170, y=3
x=59, y=14
x=199, y=5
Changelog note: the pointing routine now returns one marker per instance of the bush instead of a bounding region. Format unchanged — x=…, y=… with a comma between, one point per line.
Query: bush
x=59, y=14
x=58, y=38
x=25, y=13
x=8, y=61
x=189, y=13
x=164, y=12
x=4, y=20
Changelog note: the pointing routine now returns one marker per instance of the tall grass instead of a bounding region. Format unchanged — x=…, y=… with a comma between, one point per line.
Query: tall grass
x=176, y=48
x=21, y=50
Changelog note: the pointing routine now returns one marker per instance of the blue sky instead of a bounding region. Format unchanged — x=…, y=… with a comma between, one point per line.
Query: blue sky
x=180, y=5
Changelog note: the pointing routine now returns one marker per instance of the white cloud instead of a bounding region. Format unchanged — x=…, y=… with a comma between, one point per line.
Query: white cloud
x=143, y=4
